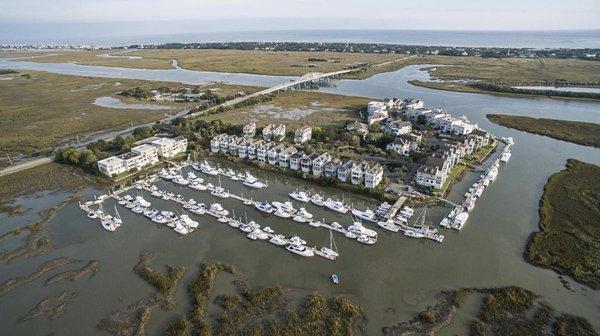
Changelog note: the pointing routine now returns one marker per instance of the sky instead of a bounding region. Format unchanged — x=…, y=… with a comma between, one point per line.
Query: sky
x=151, y=16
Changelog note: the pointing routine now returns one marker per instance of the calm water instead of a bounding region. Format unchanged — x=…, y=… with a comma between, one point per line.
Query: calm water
x=111, y=102
x=113, y=35
x=561, y=88
x=398, y=272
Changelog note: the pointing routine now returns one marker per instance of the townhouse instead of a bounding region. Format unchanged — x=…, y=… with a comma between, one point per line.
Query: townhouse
x=167, y=147
x=302, y=134
x=319, y=163
x=273, y=154
x=344, y=171
x=285, y=155
x=373, y=176
x=249, y=130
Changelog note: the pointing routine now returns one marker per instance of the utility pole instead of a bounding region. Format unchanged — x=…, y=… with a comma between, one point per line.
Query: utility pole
x=9, y=160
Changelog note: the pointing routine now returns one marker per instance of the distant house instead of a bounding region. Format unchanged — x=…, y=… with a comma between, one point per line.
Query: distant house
x=249, y=130
x=306, y=162
x=344, y=171
x=111, y=166
x=168, y=147
x=285, y=155
x=302, y=134
x=399, y=146
x=373, y=176
x=319, y=163
x=331, y=167
x=360, y=128
x=274, y=132
x=296, y=160
x=358, y=172
x=273, y=154
x=397, y=127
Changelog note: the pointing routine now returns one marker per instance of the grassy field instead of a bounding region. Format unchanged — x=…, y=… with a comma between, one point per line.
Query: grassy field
x=93, y=58
x=582, y=133
x=296, y=108
x=569, y=236
x=48, y=109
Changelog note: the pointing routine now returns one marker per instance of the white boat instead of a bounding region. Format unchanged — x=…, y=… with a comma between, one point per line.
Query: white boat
x=317, y=199
x=234, y=223
x=150, y=213
x=366, y=240
x=167, y=174
x=137, y=209
x=268, y=229
x=336, y=206
x=351, y=235
x=197, y=185
x=228, y=173
x=198, y=209
x=300, y=250
x=181, y=180
x=360, y=230
x=278, y=240
x=492, y=174
x=302, y=212
x=390, y=226
x=252, y=235
x=142, y=202
x=413, y=233
x=220, y=192
x=222, y=220
x=191, y=176
x=300, y=219
x=117, y=218
x=264, y=206
x=508, y=140
x=314, y=223
x=218, y=210
x=246, y=228
x=108, y=223
x=287, y=206
x=92, y=215
x=281, y=212
x=260, y=234
x=297, y=240
x=445, y=222
x=505, y=156
x=336, y=225
x=366, y=215
x=330, y=252
x=160, y=218
x=253, y=182
x=186, y=221
x=155, y=193
x=460, y=220
x=300, y=196
x=181, y=229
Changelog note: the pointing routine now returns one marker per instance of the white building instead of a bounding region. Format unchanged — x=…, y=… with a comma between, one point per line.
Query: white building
x=138, y=158
x=168, y=147
x=250, y=130
x=430, y=176
x=263, y=150
x=273, y=154
x=414, y=104
x=111, y=166
x=358, y=172
x=399, y=146
x=376, y=112
x=397, y=127
x=373, y=176
x=319, y=163
x=306, y=162
x=302, y=134
x=296, y=160
x=285, y=155
x=274, y=132
x=148, y=153
x=344, y=171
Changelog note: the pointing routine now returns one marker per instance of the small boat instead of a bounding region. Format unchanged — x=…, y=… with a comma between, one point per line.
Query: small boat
x=167, y=174
x=92, y=215
x=218, y=210
x=330, y=252
x=159, y=218
x=264, y=206
x=335, y=279
x=413, y=233
x=198, y=209
x=197, y=185
x=366, y=240
x=278, y=240
x=222, y=220
x=281, y=212
x=445, y=222
x=181, y=229
x=297, y=240
x=336, y=206
x=315, y=223
x=300, y=219
x=360, y=230
x=220, y=192
x=181, y=180
x=186, y=221
x=108, y=223
x=336, y=225
x=351, y=235
x=300, y=250
x=460, y=220
x=260, y=234
x=142, y=202
x=234, y=223
x=302, y=212
x=300, y=196
x=245, y=228
x=252, y=235
x=390, y=226
x=149, y=213
x=317, y=199
x=268, y=229
x=505, y=156
x=137, y=209
x=366, y=215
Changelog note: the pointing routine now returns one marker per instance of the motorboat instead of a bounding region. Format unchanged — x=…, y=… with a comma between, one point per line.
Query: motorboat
x=207, y=169
x=189, y=204
x=460, y=220
x=181, y=180
x=413, y=233
x=260, y=234
x=228, y=173
x=155, y=193
x=330, y=252
x=186, y=221
x=142, y=202
x=281, y=212
x=150, y=213
x=336, y=225
x=108, y=223
x=297, y=240
x=445, y=222
x=92, y=215
x=218, y=210
x=287, y=206
x=359, y=229
x=390, y=226
x=302, y=212
x=268, y=229
x=219, y=192
x=278, y=240
x=315, y=223
x=191, y=176
x=505, y=156
x=252, y=235
x=253, y=182
x=336, y=206
x=137, y=209
x=366, y=240
x=179, y=228
x=300, y=250
x=366, y=215
x=351, y=235
x=168, y=174
x=222, y=219
x=300, y=196
x=300, y=219
x=197, y=185
x=335, y=279
x=198, y=209
x=234, y=223
x=160, y=218
x=317, y=199
x=246, y=228
x=264, y=206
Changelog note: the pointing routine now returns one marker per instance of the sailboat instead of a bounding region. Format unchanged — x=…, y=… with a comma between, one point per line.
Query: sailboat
x=330, y=252
x=117, y=217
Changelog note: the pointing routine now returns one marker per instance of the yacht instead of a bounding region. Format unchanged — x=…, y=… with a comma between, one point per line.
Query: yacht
x=336, y=206
x=228, y=173
x=253, y=182
x=390, y=226
x=181, y=180
x=197, y=185
x=287, y=206
x=492, y=174
x=366, y=215
x=297, y=240
x=234, y=223
x=300, y=196
x=191, y=176
x=108, y=223
x=406, y=214
x=329, y=253
x=336, y=225
x=314, y=223
x=181, y=229
x=198, y=209
x=168, y=174
x=302, y=212
x=142, y=202
x=218, y=210
x=137, y=209
x=283, y=213
x=159, y=218
x=445, y=222
x=155, y=193
x=300, y=250
x=252, y=235
x=260, y=234
x=300, y=219
x=150, y=213
x=278, y=240
x=268, y=229
x=505, y=156
x=359, y=229
x=413, y=233
x=351, y=235
x=245, y=228
x=264, y=206
x=460, y=220
x=186, y=221
x=317, y=199
x=189, y=204
x=366, y=240
x=219, y=192
x=222, y=219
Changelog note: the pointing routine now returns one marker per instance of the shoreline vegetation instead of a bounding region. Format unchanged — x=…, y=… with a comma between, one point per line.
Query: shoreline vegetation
x=504, y=311
x=44, y=268
x=582, y=133
x=569, y=238
x=51, y=307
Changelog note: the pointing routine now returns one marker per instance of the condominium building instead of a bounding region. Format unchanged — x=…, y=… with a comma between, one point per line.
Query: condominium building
x=168, y=147
x=273, y=154
x=302, y=134
x=319, y=163
x=249, y=130
x=285, y=155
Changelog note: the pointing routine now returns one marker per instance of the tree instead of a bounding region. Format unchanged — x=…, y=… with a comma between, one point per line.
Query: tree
x=421, y=120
